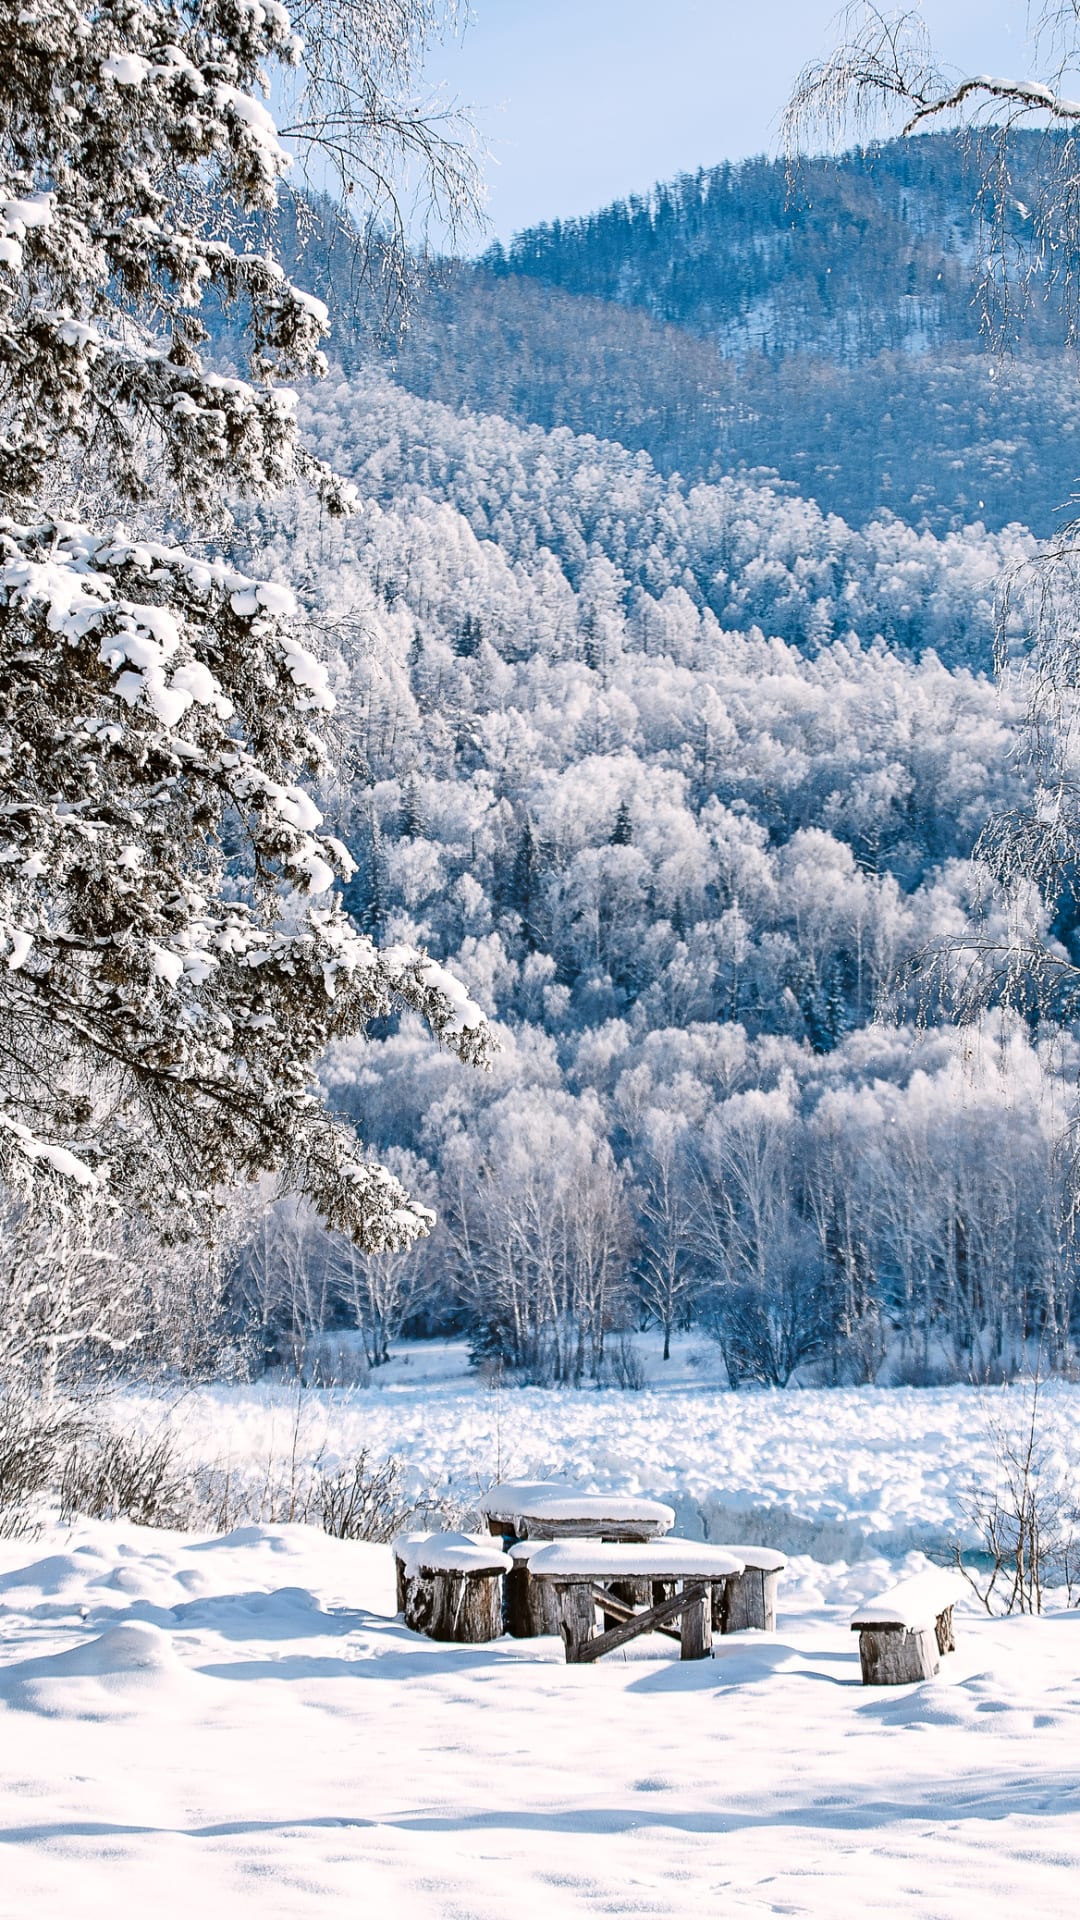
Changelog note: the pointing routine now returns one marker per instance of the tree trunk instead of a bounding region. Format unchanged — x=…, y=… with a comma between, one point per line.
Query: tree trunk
x=466, y=1607
x=898, y=1656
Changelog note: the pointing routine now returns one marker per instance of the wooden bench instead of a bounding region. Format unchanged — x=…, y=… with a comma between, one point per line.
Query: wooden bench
x=450, y=1585
x=589, y=1574
x=904, y=1632
x=553, y=1510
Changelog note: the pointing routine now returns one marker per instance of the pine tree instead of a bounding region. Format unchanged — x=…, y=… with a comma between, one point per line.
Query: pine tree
x=164, y=1000
x=413, y=823
x=622, y=833
x=468, y=637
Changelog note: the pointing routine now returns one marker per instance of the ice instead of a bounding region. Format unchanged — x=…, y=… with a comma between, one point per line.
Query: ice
x=842, y=1474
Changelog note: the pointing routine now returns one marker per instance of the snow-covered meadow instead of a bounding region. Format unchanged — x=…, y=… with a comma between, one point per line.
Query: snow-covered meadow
x=239, y=1723
x=838, y=1473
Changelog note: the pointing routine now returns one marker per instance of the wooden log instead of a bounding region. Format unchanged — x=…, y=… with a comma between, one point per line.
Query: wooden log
x=898, y=1656
x=418, y=1592
x=577, y=1620
x=746, y=1600
x=459, y=1605
x=532, y=1606
x=943, y=1632
x=616, y=1610
x=696, y=1620
x=594, y=1648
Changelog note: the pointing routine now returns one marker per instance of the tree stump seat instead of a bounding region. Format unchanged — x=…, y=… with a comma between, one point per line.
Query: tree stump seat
x=588, y=1574
x=450, y=1585
x=904, y=1631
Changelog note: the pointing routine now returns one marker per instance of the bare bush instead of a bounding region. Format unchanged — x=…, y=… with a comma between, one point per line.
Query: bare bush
x=33, y=1436
x=365, y=1502
x=1028, y=1523
x=127, y=1476
x=622, y=1366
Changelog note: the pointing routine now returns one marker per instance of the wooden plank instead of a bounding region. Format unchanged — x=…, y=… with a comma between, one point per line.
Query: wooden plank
x=696, y=1633
x=630, y=1630
x=619, y=1609
x=577, y=1620
x=617, y=1532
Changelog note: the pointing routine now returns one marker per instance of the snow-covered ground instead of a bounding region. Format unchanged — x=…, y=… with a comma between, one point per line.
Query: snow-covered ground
x=833, y=1472
x=239, y=1726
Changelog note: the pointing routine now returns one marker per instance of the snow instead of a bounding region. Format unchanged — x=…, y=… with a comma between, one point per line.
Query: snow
x=450, y=1553
x=126, y=69
x=512, y=1497
x=240, y=1726
x=50, y=1153
x=599, y=1507
x=762, y=1559
x=662, y=1559
x=844, y=1474
x=915, y=1602
x=554, y=1501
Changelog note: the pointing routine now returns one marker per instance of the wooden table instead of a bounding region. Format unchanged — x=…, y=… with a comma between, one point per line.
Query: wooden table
x=553, y=1510
x=591, y=1574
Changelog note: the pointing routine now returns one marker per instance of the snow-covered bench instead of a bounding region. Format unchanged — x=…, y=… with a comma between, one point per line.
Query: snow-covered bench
x=904, y=1632
x=554, y=1510
x=591, y=1574
x=450, y=1585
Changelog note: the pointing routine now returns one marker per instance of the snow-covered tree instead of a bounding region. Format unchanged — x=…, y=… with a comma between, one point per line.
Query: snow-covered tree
x=173, y=955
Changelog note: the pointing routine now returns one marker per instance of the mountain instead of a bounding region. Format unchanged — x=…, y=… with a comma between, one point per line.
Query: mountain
x=826, y=331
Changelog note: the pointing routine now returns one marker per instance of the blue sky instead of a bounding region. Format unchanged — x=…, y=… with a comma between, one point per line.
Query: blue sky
x=582, y=101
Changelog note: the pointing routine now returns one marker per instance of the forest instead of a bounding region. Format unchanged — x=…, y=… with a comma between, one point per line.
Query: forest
x=684, y=783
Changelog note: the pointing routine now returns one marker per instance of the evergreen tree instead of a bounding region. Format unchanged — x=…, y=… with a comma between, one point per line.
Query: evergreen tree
x=413, y=825
x=468, y=637
x=163, y=1004
x=622, y=833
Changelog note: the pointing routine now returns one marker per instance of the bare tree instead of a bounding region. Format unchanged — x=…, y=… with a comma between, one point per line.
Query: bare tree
x=668, y=1274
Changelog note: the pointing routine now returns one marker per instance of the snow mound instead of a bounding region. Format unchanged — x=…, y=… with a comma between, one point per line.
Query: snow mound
x=117, y=1669
x=132, y=1652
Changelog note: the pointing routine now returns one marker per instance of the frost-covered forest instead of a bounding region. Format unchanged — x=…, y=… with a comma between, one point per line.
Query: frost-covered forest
x=683, y=782
x=630, y=754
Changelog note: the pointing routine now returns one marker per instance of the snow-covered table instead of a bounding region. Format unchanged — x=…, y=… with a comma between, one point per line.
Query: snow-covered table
x=903, y=1632
x=587, y=1574
x=554, y=1510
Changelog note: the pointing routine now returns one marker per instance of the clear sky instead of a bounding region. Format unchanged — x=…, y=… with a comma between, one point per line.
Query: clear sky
x=583, y=101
